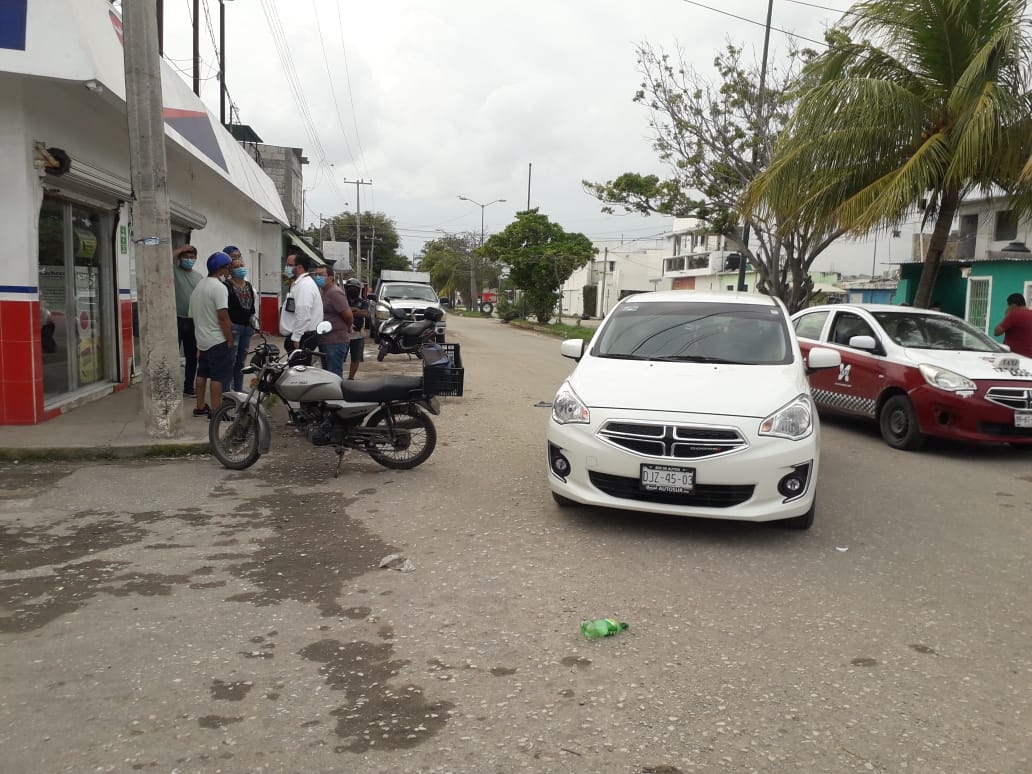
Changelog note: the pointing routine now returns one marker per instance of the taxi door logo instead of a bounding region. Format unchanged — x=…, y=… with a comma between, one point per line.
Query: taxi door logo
x=843, y=372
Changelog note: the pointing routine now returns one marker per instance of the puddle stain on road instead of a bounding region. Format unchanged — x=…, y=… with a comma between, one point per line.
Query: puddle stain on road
x=376, y=715
x=312, y=552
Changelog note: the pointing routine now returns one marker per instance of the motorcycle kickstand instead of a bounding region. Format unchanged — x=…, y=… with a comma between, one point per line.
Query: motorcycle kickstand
x=340, y=460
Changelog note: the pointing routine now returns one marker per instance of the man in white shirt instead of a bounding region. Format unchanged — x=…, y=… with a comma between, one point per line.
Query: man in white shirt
x=302, y=308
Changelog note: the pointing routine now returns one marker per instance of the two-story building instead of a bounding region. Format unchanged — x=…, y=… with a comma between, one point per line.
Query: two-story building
x=986, y=259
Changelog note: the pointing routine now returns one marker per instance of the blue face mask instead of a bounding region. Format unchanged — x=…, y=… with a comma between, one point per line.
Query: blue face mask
x=240, y=272
x=186, y=263
x=320, y=280
x=288, y=272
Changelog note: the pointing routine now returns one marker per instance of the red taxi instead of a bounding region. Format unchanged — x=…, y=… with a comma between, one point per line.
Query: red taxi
x=918, y=373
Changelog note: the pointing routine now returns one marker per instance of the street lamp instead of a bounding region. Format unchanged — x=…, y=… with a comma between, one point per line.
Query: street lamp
x=482, y=208
x=472, y=274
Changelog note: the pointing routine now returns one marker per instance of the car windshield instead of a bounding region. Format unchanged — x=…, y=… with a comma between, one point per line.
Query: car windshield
x=415, y=292
x=695, y=332
x=934, y=331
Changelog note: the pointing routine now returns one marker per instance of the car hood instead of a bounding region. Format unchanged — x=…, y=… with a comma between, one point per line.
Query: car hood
x=974, y=365
x=697, y=388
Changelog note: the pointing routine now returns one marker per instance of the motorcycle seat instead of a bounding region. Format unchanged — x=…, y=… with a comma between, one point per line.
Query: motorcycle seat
x=384, y=388
x=416, y=328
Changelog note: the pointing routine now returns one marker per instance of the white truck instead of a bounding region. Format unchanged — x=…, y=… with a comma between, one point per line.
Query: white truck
x=406, y=291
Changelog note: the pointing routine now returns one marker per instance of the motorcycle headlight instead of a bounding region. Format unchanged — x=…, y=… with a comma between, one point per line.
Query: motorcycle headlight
x=945, y=379
x=567, y=408
x=793, y=421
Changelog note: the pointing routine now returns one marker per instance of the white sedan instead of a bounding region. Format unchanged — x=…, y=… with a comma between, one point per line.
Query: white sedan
x=690, y=404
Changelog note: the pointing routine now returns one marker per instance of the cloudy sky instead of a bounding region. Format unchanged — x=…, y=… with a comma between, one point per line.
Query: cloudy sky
x=433, y=99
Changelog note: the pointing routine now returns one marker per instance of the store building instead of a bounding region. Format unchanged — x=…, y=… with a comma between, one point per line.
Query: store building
x=68, y=294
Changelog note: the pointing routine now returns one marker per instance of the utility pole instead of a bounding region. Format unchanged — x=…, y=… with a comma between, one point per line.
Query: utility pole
x=222, y=62
x=358, y=228
x=197, y=47
x=602, y=294
x=162, y=384
x=372, y=242
x=761, y=99
x=530, y=167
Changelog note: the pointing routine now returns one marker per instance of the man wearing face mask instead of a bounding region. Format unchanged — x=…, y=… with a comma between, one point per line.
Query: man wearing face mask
x=302, y=308
x=241, y=313
x=186, y=279
x=337, y=312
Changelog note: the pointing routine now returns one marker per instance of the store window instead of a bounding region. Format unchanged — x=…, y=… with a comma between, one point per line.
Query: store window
x=76, y=293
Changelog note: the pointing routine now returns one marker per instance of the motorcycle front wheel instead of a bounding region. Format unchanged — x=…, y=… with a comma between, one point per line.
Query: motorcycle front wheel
x=384, y=350
x=233, y=434
x=414, y=437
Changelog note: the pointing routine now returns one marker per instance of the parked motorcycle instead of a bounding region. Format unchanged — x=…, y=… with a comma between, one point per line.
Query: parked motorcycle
x=402, y=333
x=386, y=418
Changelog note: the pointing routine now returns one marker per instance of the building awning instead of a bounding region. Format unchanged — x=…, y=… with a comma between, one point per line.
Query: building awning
x=80, y=41
x=299, y=241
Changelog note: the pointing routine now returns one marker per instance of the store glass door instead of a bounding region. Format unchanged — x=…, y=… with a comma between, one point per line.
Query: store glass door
x=76, y=294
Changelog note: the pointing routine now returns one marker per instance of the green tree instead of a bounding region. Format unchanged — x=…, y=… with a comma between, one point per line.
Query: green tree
x=540, y=256
x=915, y=104
x=715, y=137
x=379, y=235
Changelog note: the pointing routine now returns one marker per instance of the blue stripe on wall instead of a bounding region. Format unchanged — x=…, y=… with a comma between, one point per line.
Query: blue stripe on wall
x=12, y=23
x=18, y=288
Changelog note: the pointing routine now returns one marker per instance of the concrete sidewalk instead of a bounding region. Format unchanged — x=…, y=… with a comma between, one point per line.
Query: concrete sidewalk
x=109, y=427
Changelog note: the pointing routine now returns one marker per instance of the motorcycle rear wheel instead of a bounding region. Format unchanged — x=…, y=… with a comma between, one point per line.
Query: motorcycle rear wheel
x=234, y=443
x=415, y=442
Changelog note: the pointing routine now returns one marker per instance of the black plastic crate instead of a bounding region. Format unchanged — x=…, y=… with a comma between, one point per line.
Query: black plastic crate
x=446, y=375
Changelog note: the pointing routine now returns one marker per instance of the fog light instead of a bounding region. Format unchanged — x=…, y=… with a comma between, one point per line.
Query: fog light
x=794, y=484
x=560, y=465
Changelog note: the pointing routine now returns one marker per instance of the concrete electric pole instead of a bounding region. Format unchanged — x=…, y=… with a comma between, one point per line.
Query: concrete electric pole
x=151, y=229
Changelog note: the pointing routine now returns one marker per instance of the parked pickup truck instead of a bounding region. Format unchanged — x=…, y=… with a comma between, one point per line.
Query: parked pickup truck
x=406, y=291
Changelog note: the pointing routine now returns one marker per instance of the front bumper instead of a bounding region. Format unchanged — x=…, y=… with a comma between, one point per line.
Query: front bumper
x=948, y=415
x=738, y=485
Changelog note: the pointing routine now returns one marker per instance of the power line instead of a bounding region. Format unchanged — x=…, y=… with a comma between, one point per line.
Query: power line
x=329, y=78
x=754, y=22
x=351, y=93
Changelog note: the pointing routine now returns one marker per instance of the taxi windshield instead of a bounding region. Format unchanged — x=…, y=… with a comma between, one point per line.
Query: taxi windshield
x=934, y=331
x=696, y=332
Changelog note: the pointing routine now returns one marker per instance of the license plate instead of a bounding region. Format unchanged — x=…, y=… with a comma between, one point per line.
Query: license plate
x=1023, y=418
x=667, y=478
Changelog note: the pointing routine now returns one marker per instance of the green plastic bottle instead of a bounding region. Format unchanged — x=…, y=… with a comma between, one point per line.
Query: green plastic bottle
x=601, y=627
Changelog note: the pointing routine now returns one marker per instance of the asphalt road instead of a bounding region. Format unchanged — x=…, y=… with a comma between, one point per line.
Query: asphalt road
x=176, y=616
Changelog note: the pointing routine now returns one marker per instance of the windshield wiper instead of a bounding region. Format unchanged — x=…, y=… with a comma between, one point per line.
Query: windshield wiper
x=618, y=356
x=698, y=359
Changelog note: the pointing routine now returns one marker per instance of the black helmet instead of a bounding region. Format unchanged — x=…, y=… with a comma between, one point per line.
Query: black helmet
x=353, y=282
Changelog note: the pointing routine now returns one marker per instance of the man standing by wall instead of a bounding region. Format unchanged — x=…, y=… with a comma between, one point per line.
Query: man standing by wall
x=302, y=308
x=186, y=279
x=1016, y=326
x=209, y=309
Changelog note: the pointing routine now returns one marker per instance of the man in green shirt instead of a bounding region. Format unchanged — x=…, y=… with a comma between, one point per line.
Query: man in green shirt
x=186, y=279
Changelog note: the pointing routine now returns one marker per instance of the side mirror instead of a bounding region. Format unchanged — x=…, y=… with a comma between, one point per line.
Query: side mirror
x=572, y=348
x=371, y=297
x=323, y=327
x=822, y=357
x=863, y=342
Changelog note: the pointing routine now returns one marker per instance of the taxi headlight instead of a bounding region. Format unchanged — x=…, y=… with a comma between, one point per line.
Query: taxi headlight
x=793, y=421
x=567, y=408
x=945, y=379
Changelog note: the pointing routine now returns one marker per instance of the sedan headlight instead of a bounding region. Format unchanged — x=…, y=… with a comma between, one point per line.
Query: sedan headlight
x=567, y=408
x=946, y=380
x=793, y=421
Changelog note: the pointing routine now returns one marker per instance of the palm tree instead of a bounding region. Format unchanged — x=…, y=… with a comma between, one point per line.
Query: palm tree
x=915, y=104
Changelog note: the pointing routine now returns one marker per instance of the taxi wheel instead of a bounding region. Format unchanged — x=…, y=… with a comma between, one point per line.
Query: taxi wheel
x=898, y=423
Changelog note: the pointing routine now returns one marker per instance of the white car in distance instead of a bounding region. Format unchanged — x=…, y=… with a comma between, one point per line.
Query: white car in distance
x=690, y=404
